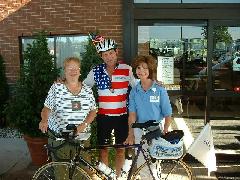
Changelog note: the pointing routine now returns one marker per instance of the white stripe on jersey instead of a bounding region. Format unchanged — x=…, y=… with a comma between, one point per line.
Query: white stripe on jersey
x=112, y=105
x=120, y=78
x=115, y=92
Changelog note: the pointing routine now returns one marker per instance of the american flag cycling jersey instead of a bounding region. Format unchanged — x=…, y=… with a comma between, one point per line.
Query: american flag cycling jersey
x=112, y=94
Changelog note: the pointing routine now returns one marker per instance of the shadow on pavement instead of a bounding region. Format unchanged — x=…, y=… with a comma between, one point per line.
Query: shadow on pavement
x=227, y=175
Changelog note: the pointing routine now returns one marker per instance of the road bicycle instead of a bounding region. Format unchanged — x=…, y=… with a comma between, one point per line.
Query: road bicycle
x=80, y=168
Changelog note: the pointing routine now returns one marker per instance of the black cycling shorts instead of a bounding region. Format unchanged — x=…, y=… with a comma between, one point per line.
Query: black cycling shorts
x=105, y=125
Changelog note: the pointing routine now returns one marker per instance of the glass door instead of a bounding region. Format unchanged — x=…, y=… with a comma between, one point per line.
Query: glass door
x=180, y=50
x=182, y=53
x=225, y=71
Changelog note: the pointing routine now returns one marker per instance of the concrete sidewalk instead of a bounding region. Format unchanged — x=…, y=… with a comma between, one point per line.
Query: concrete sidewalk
x=14, y=154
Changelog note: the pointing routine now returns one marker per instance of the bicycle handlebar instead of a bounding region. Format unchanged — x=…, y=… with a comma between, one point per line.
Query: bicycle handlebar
x=145, y=125
x=67, y=134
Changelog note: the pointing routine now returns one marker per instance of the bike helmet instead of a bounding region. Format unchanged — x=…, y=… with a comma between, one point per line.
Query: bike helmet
x=105, y=45
x=102, y=44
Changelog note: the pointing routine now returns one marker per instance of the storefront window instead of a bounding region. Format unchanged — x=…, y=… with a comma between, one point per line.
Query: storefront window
x=226, y=58
x=180, y=51
x=61, y=47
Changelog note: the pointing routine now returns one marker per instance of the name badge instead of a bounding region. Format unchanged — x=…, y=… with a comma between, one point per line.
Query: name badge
x=154, y=98
x=76, y=106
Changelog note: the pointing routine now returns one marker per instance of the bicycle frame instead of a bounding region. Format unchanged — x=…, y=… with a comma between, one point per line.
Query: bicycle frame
x=93, y=169
x=78, y=161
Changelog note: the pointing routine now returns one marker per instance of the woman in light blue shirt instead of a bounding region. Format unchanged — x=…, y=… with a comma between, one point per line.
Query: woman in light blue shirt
x=147, y=101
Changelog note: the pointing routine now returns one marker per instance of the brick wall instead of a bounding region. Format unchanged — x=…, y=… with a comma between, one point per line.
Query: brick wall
x=58, y=17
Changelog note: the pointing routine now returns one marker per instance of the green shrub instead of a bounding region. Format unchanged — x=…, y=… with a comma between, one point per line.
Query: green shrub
x=36, y=77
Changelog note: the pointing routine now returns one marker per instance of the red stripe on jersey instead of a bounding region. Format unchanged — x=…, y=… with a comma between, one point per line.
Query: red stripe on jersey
x=112, y=111
x=118, y=98
x=123, y=72
x=120, y=85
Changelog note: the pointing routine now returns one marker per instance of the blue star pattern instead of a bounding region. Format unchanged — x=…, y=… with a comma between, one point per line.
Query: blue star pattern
x=101, y=78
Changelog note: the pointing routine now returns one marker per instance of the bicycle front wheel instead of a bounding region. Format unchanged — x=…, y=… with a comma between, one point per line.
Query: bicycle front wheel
x=60, y=171
x=163, y=169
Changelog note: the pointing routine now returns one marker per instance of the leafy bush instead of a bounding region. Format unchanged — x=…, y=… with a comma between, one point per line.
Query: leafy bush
x=36, y=77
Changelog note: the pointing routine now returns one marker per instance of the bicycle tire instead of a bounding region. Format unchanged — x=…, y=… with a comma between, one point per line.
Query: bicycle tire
x=48, y=172
x=167, y=169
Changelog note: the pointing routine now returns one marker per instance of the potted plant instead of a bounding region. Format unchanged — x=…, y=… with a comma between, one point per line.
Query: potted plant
x=23, y=111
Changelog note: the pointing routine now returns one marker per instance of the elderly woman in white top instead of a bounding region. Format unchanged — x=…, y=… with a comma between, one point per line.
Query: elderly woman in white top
x=71, y=102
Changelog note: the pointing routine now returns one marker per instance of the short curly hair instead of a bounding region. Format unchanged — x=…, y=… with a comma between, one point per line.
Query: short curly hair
x=74, y=59
x=151, y=63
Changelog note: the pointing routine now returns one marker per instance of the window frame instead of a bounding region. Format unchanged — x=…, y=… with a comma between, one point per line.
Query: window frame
x=54, y=36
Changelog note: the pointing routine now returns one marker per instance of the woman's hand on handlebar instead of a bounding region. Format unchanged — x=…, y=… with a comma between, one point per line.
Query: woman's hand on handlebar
x=130, y=139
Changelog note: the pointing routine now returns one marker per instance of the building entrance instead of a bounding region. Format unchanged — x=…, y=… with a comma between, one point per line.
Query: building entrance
x=183, y=53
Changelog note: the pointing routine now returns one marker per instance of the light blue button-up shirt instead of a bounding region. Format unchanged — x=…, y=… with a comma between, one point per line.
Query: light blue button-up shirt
x=153, y=104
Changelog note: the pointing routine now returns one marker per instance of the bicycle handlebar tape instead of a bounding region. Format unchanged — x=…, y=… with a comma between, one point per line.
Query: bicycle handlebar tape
x=71, y=127
x=145, y=124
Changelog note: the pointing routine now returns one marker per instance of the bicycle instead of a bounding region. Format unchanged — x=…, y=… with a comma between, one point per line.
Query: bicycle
x=79, y=168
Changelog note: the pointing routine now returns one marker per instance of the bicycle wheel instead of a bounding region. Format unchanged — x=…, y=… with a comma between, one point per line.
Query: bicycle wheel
x=163, y=169
x=60, y=171
x=175, y=169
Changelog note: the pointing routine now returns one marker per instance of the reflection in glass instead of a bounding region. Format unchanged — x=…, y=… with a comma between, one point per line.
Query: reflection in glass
x=225, y=107
x=26, y=41
x=226, y=58
x=69, y=46
x=62, y=46
x=181, y=53
x=186, y=45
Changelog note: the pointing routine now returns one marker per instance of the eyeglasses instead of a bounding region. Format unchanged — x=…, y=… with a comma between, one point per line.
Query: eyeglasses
x=73, y=68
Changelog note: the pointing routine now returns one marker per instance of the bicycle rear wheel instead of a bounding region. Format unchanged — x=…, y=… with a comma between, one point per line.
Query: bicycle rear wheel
x=60, y=171
x=164, y=169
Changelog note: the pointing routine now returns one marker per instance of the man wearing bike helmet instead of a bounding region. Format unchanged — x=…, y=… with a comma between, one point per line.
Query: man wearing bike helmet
x=112, y=79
